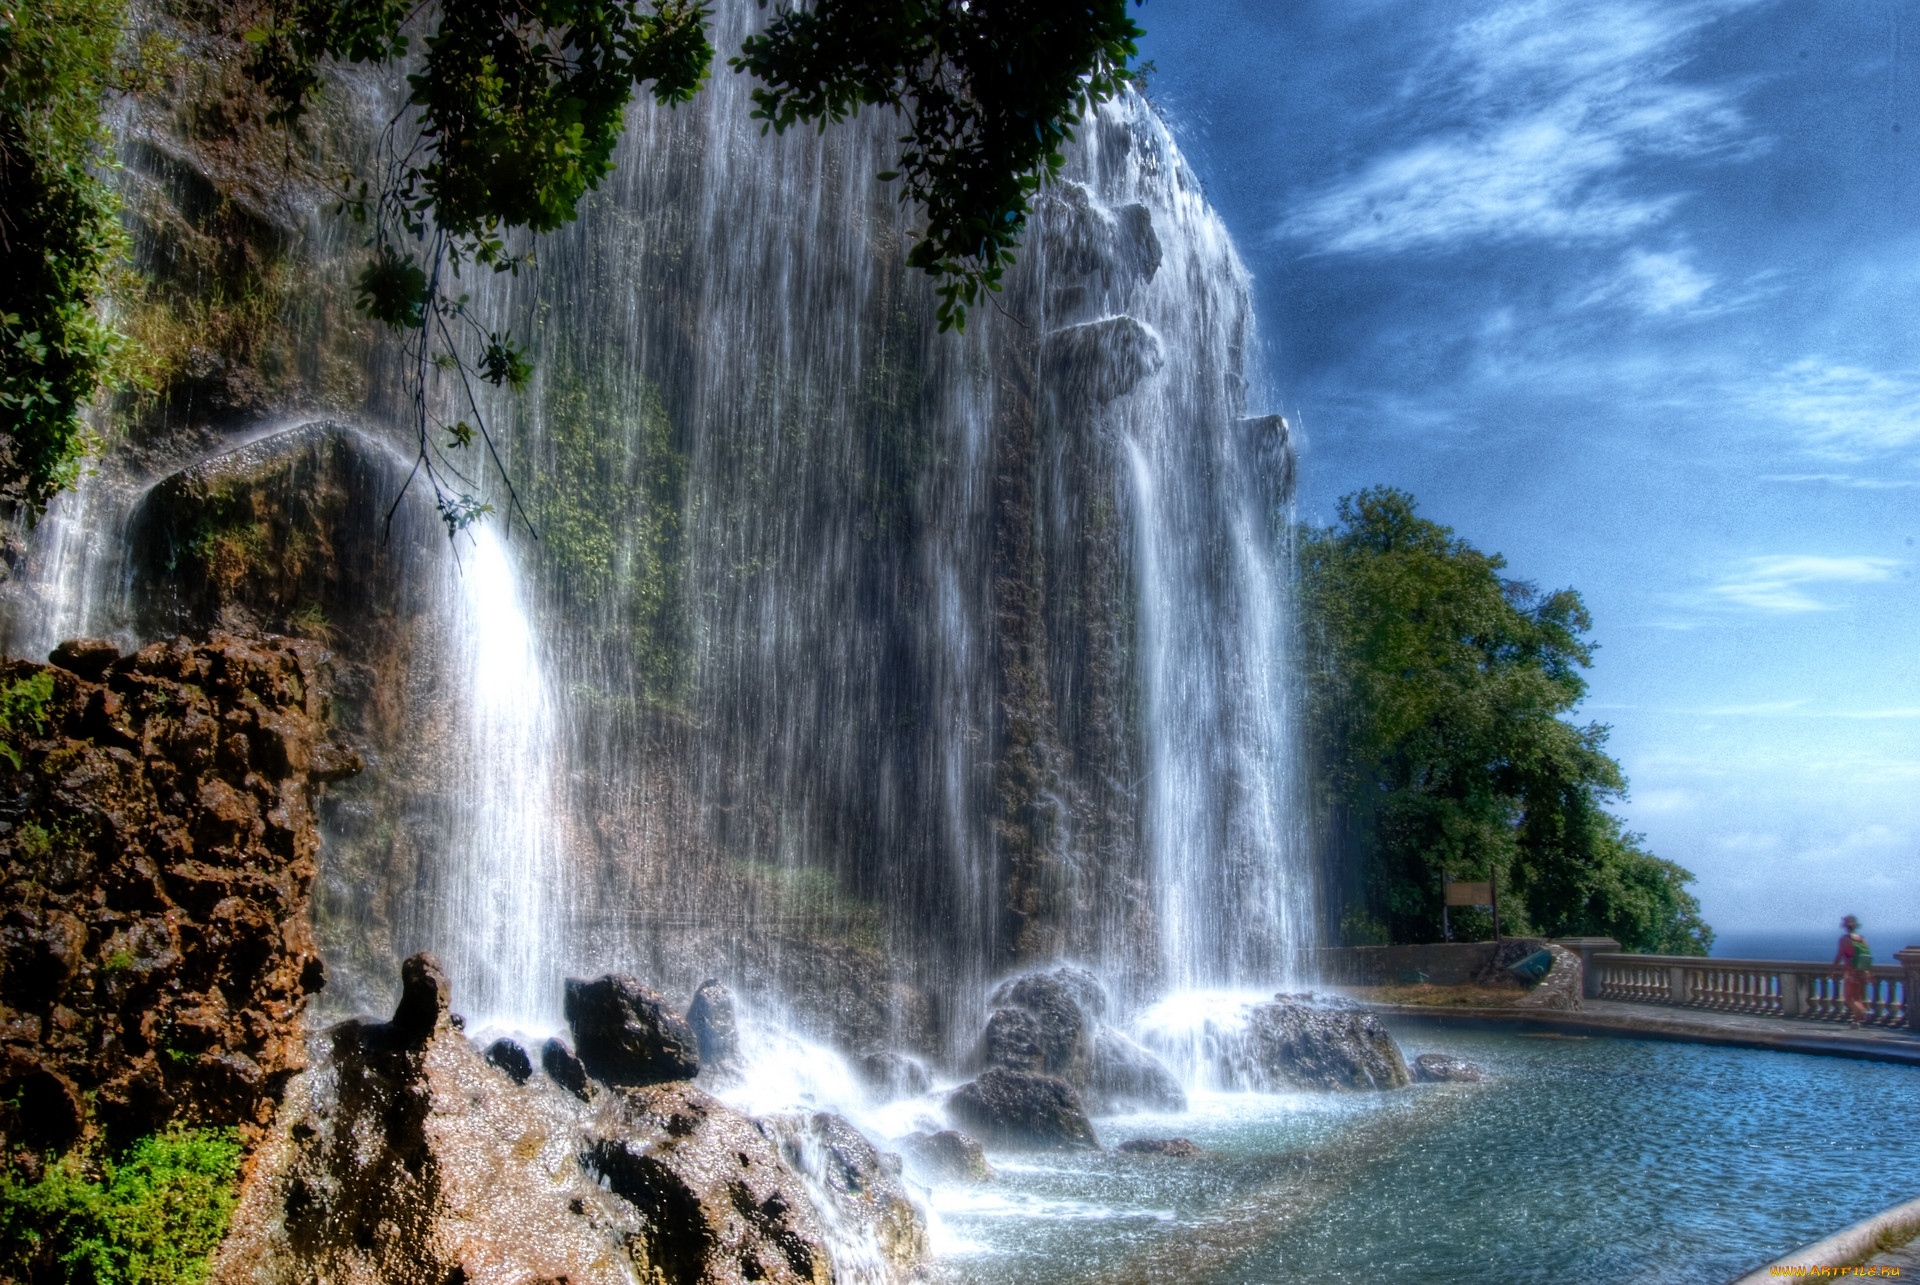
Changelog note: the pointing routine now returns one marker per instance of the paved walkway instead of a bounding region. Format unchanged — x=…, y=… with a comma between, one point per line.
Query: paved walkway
x=1693, y=1025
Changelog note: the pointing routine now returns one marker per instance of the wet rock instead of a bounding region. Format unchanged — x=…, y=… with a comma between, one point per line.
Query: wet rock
x=946, y=1156
x=895, y=1075
x=1293, y=1045
x=565, y=1070
x=857, y=1188
x=1123, y=1076
x=1019, y=1109
x=1045, y=1023
x=715, y=1029
x=508, y=1056
x=425, y=1165
x=87, y=657
x=1012, y=1040
x=715, y=1200
x=1176, y=1148
x=1439, y=1068
x=626, y=1035
x=424, y=993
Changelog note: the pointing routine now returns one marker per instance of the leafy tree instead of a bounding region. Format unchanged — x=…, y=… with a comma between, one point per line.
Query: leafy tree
x=1438, y=695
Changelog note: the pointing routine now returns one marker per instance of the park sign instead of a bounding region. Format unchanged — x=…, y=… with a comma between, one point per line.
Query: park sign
x=1469, y=894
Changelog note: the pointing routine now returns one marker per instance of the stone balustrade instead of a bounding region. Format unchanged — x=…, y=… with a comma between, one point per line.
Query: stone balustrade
x=1761, y=987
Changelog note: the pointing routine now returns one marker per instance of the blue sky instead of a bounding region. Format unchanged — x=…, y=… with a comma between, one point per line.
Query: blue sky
x=1629, y=292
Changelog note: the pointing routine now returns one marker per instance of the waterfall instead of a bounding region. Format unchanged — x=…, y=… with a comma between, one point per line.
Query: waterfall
x=499, y=928
x=854, y=663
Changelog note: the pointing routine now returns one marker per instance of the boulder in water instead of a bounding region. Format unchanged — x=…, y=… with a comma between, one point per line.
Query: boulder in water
x=1018, y=1109
x=1045, y=1023
x=895, y=1074
x=626, y=1035
x=1294, y=1045
x=715, y=1029
x=1440, y=1068
x=948, y=1155
x=565, y=1070
x=508, y=1056
x=1125, y=1076
x=423, y=1000
x=1176, y=1148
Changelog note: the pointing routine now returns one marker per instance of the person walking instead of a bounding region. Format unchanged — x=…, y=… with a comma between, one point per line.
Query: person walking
x=1855, y=957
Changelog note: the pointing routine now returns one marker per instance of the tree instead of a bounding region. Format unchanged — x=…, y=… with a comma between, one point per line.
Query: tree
x=1438, y=692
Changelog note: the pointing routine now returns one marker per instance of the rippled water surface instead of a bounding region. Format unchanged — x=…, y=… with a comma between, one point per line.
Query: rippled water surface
x=1583, y=1162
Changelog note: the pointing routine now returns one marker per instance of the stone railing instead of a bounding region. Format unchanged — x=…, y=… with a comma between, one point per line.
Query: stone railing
x=1762, y=987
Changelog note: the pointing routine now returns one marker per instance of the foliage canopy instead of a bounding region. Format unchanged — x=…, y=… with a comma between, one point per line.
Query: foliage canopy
x=1437, y=693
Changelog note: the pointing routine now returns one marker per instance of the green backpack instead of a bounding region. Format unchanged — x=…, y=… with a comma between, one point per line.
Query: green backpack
x=1862, y=954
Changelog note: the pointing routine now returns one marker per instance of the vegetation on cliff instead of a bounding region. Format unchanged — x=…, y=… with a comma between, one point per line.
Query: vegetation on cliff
x=60, y=237
x=152, y=1216
x=1438, y=696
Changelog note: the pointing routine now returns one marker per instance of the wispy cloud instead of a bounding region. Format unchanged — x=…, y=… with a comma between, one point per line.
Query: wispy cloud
x=1845, y=479
x=1780, y=583
x=1846, y=411
x=1555, y=100
x=1659, y=284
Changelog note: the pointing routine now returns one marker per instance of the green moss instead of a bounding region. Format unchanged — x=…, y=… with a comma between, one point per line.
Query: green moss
x=118, y=962
x=151, y=1217
x=608, y=506
x=813, y=900
x=23, y=711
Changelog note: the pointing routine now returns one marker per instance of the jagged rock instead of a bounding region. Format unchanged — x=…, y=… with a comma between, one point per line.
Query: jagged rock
x=510, y=1057
x=1098, y=361
x=1019, y=1109
x=565, y=1070
x=948, y=1155
x=715, y=1029
x=895, y=1075
x=626, y=1035
x=1178, y=1148
x=156, y=952
x=858, y=1187
x=1437, y=1068
x=421, y=1164
x=424, y=994
x=1293, y=1045
x=1123, y=1076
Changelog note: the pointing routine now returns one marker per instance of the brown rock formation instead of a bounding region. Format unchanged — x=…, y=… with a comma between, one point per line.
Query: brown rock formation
x=157, y=846
x=408, y=1158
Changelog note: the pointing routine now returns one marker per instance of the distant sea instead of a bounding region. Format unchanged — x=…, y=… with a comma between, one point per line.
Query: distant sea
x=1818, y=946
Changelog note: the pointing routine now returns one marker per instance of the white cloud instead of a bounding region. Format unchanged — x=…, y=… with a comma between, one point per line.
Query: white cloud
x=1657, y=284
x=1779, y=583
x=1558, y=98
x=1846, y=411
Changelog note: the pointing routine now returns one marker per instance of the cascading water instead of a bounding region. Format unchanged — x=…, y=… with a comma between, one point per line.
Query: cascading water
x=501, y=920
x=854, y=662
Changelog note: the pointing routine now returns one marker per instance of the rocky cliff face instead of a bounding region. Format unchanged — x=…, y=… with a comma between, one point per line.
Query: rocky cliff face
x=158, y=847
